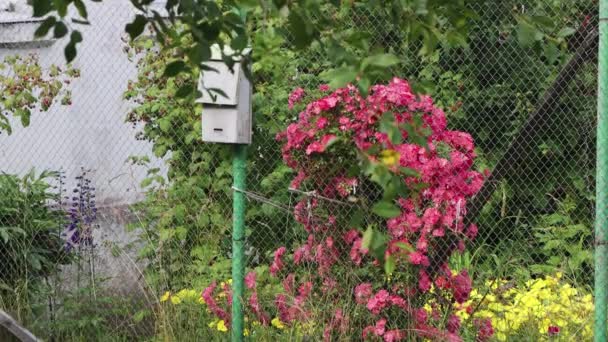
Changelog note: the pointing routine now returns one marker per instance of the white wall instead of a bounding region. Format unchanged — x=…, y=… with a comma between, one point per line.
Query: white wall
x=90, y=133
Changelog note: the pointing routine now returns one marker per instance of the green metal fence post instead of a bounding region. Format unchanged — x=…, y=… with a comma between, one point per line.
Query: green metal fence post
x=601, y=205
x=239, y=174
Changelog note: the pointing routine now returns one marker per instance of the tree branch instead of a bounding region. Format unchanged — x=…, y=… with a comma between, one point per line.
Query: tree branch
x=527, y=135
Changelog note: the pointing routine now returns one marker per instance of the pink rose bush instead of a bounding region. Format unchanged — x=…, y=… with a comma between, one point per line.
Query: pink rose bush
x=345, y=131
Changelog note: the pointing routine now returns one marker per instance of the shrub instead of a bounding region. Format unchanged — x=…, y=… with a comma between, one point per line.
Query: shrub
x=30, y=244
x=398, y=141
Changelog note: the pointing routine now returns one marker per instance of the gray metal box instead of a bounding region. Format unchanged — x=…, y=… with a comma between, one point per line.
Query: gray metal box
x=226, y=120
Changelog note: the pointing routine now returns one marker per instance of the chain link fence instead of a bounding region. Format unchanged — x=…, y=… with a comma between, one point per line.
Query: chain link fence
x=115, y=216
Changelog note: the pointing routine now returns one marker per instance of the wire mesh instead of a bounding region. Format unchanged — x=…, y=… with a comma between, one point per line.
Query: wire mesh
x=135, y=224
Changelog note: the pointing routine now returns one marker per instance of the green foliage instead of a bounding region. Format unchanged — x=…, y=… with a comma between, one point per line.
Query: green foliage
x=26, y=87
x=30, y=244
x=86, y=314
x=42, y=8
x=229, y=24
x=181, y=213
x=564, y=242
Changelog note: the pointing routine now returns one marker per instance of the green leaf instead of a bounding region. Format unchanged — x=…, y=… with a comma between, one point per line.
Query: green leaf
x=25, y=118
x=164, y=124
x=339, y=77
x=184, y=91
x=174, y=68
x=565, y=32
x=374, y=242
x=239, y=42
x=82, y=9
x=61, y=6
x=421, y=7
x=356, y=220
x=199, y=53
x=389, y=265
x=409, y=172
x=299, y=29
x=4, y=234
x=135, y=28
x=384, y=60
x=140, y=315
x=363, y=84
x=386, y=209
x=526, y=33
x=60, y=29
x=45, y=26
x=544, y=21
x=42, y=7
x=70, y=48
x=217, y=91
x=551, y=52
x=388, y=126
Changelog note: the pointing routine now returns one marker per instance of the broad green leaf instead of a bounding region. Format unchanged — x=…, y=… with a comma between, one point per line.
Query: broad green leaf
x=526, y=33
x=357, y=218
x=299, y=29
x=25, y=118
x=551, y=52
x=174, y=68
x=60, y=29
x=374, y=242
x=164, y=124
x=42, y=7
x=544, y=21
x=389, y=265
x=44, y=28
x=135, y=28
x=565, y=32
x=184, y=91
x=61, y=6
x=70, y=48
x=384, y=60
x=81, y=7
x=339, y=77
x=386, y=209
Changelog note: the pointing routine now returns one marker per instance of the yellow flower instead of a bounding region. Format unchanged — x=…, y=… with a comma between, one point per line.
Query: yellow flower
x=212, y=324
x=246, y=332
x=221, y=326
x=540, y=303
x=276, y=322
x=187, y=294
x=165, y=296
x=201, y=300
x=175, y=300
x=389, y=157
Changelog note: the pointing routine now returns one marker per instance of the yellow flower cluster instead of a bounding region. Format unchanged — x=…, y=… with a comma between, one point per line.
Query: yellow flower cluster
x=185, y=295
x=540, y=304
x=276, y=322
x=220, y=326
